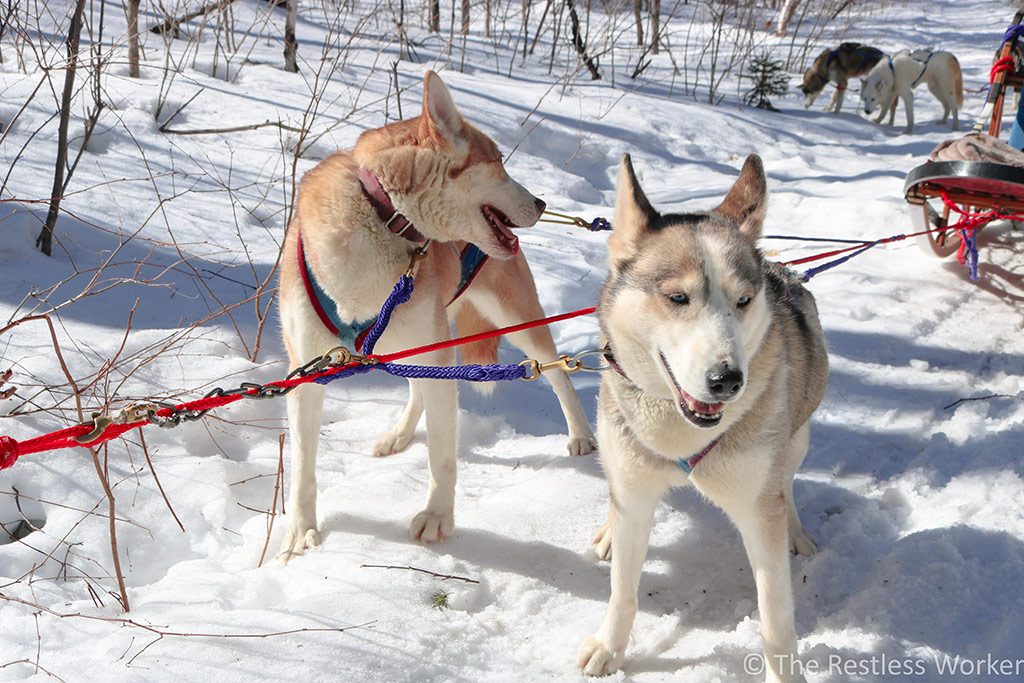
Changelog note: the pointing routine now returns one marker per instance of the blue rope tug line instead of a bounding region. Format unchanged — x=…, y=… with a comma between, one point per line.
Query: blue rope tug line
x=802, y=238
x=828, y=265
x=400, y=294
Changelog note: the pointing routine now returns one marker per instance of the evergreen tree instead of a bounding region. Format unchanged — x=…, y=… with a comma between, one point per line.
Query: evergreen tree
x=769, y=79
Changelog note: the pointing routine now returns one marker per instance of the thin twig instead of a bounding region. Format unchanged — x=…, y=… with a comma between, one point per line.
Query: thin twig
x=981, y=398
x=145, y=452
x=273, y=503
x=234, y=129
x=35, y=664
x=417, y=569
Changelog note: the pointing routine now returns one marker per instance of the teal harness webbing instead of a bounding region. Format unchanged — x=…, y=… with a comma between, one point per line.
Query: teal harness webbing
x=352, y=333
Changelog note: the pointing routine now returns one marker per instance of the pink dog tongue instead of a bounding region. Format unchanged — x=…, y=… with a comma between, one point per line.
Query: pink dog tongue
x=701, y=407
x=708, y=407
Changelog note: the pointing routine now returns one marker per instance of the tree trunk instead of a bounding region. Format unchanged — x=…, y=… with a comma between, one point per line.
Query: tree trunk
x=45, y=239
x=785, y=16
x=655, y=25
x=290, y=44
x=577, y=42
x=435, y=16
x=465, y=17
x=133, y=38
x=487, y=18
x=637, y=7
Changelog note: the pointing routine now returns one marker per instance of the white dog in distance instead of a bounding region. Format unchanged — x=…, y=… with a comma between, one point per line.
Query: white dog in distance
x=896, y=77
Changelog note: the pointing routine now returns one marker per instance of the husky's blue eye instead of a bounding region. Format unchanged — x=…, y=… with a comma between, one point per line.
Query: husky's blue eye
x=742, y=302
x=680, y=299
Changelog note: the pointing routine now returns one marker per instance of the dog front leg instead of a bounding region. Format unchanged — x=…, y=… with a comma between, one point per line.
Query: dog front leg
x=604, y=652
x=766, y=539
x=908, y=104
x=440, y=397
x=398, y=438
x=537, y=343
x=305, y=412
x=837, y=98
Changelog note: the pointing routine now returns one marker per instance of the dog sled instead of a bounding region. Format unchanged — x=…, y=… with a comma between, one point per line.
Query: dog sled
x=976, y=179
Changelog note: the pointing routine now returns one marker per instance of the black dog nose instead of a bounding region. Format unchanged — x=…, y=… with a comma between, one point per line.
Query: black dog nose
x=540, y=204
x=724, y=382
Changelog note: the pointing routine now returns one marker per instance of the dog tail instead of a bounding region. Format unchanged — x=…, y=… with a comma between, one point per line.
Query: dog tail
x=470, y=320
x=958, y=83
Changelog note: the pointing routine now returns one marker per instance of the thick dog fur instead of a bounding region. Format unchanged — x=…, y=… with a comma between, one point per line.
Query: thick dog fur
x=895, y=78
x=849, y=60
x=687, y=295
x=440, y=172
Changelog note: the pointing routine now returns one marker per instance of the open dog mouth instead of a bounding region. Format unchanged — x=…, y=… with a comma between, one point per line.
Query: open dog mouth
x=705, y=415
x=501, y=226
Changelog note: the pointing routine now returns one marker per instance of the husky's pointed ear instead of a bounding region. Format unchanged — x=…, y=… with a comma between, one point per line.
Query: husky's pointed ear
x=439, y=109
x=634, y=215
x=747, y=200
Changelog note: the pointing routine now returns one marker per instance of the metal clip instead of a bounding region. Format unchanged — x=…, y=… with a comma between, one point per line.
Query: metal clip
x=418, y=254
x=536, y=369
x=581, y=364
x=99, y=423
x=136, y=412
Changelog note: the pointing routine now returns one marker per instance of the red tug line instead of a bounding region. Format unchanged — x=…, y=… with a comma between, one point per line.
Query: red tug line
x=11, y=450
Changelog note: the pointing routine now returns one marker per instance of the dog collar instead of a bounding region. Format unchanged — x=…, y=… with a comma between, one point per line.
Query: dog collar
x=685, y=464
x=386, y=211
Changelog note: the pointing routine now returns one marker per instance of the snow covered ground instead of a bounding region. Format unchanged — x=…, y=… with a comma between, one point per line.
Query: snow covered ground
x=916, y=507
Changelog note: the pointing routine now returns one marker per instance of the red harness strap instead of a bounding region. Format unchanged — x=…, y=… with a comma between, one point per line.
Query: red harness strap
x=311, y=292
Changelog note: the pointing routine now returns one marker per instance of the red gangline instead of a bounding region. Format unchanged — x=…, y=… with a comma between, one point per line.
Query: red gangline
x=11, y=450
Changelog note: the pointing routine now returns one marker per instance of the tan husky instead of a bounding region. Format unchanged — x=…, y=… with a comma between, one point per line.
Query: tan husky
x=360, y=215
x=838, y=66
x=719, y=362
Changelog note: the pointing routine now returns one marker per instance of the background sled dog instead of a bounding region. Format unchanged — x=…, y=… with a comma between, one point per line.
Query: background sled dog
x=720, y=362
x=896, y=77
x=847, y=61
x=360, y=215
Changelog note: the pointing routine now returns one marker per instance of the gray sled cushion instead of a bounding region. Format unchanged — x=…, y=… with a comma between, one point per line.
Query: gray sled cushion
x=978, y=147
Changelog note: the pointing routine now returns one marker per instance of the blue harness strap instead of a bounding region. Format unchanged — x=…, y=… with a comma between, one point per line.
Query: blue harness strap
x=353, y=333
x=471, y=260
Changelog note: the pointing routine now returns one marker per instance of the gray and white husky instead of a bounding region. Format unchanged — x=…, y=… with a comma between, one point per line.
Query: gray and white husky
x=719, y=362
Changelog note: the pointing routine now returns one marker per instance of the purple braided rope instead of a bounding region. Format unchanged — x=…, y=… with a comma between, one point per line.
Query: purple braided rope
x=347, y=372
x=497, y=372
x=970, y=239
x=471, y=373
x=1013, y=31
x=811, y=272
x=399, y=295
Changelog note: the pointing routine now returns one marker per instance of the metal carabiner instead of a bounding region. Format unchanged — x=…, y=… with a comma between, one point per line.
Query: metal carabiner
x=535, y=368
x=581, y=364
